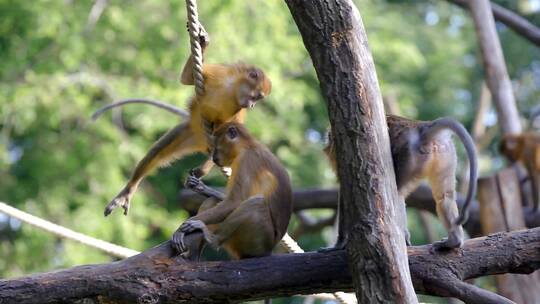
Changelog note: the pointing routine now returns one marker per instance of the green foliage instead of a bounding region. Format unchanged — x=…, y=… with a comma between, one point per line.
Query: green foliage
x=58, y=64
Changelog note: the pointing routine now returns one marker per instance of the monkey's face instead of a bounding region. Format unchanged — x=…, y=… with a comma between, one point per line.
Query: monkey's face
x=227, y=145
x=254, y=86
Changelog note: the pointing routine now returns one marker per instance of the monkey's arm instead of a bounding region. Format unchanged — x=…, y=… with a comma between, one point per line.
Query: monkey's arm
x=196, y=185
x=238, y=190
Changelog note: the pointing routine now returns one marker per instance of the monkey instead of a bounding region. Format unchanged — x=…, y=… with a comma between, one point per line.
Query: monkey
x=525, y=149
x=229, y=90
x=252, y=217
x=424, y=149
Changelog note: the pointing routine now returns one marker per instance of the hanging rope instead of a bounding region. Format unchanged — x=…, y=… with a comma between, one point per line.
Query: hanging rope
x=292, y=247
x=195, y=31
x=63, y=232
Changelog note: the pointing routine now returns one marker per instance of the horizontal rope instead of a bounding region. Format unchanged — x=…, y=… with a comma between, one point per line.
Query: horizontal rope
x=111, y=249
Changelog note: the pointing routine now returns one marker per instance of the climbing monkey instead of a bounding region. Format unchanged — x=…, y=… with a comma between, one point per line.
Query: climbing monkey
x=424, y=149
x=525, y=149
x=252, y=217
x=229, y=90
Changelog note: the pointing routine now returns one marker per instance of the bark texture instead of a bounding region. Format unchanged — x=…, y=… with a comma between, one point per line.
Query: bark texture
x=154, y=277
x=370, y=211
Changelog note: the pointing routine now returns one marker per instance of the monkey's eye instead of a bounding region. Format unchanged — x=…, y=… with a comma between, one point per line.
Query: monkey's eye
x=253, y=74
x=232, y=133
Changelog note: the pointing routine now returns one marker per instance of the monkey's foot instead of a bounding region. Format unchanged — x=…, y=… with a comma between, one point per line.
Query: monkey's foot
x=204, y=38
x=407, y=237
x=328, y=249
x=447, y=244
x=340, y=245
x=121, y=200
x=188, y=227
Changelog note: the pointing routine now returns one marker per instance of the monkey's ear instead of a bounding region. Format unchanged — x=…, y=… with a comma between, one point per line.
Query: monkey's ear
x=232, y=132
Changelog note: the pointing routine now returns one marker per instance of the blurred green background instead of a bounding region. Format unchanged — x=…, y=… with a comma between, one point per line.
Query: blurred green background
x=62, y=59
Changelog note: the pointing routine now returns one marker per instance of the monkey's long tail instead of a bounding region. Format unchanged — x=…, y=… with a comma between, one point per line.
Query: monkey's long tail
x=448, y=123
x=156, y=103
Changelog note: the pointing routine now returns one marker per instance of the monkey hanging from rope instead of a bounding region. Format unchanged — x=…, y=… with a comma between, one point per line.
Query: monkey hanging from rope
x=229, y=90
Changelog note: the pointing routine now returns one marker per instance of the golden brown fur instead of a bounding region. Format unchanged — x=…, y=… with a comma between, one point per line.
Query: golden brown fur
x=420, y=149
x=525, y=149
x=254, y=214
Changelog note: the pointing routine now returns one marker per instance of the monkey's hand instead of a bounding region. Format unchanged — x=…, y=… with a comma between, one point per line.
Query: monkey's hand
x=194, y=183
x=341, y=243
x=190, y=226
x=121, y=200
x=204, y=38
x=449, y=243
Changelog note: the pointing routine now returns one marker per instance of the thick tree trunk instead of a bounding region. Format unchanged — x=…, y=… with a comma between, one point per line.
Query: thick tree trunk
x=154, y=277
x=370, y=211
x=495, y=67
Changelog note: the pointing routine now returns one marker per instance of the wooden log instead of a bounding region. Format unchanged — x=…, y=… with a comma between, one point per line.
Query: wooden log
x=155, y=277
x=500, y=210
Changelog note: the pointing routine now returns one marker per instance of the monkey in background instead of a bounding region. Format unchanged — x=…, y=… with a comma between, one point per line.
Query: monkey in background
x=229, y=90
x=424, y=149
x=254, y=214
x=525, y=149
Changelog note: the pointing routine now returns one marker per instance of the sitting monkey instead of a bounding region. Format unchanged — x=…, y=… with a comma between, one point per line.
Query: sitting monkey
x=253, y=215
x=421, y=149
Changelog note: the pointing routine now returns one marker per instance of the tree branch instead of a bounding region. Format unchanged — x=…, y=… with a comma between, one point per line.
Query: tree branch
x=514, y=21
x=154, y=277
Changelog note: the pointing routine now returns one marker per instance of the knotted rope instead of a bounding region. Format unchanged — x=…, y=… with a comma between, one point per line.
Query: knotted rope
x=195, y=30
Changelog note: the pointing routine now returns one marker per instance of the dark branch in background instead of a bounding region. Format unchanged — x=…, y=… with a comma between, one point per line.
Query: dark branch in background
x=313, y=198
x=514, y=21
x=303, y=199
x=154, y=277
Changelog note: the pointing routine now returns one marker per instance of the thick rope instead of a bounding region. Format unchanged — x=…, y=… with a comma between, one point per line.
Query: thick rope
x=196, y=51
x=292, y=246
x=63, y=232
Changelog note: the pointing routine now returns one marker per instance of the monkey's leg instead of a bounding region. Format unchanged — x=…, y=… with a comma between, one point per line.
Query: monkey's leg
x=176, y=143
x=248, y=231
x=192, y=243
x=443, y=185
x=202, y=170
